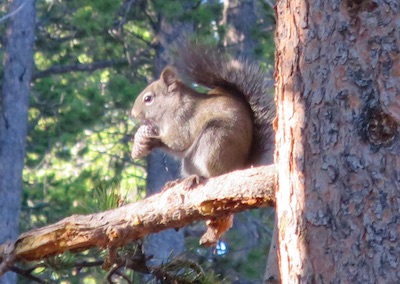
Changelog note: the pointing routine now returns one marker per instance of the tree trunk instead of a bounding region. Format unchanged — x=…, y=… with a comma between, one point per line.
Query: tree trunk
x=240, y=19
x=18, y=59
x=337, y=143
x=162, y=168
x=162, y=245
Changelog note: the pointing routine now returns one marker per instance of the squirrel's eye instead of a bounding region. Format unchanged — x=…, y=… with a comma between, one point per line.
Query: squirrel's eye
x=148, y=98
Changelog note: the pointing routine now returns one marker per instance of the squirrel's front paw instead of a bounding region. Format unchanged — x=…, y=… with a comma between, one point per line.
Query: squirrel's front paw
x=144, y=141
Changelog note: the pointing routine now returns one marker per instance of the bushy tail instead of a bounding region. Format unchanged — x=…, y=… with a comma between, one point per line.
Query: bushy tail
x=212, y=68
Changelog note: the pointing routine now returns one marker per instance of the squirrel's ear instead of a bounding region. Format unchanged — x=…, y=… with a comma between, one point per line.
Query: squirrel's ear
x=168, y=75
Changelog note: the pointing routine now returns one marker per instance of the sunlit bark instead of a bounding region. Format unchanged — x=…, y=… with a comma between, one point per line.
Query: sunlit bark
x=338, y=149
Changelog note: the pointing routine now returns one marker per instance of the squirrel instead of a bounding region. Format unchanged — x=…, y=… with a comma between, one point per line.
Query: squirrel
x=227, y=128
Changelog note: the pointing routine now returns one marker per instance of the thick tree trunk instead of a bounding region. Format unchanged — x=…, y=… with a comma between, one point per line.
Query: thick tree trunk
x=338, y=149
x=14, y=102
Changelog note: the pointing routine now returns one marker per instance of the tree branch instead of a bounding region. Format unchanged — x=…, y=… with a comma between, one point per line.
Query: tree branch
x=9, y=15
x=174, y=207
x=78, y=67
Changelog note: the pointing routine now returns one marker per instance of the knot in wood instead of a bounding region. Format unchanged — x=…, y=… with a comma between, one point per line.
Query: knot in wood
x=381, y=128
x=356, y=6
x=114, y=234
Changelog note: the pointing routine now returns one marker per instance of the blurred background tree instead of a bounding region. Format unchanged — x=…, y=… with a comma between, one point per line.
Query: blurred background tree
x=91, y=60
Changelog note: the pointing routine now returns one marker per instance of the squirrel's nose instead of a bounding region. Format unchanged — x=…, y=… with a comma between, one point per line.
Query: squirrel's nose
x=135, y=114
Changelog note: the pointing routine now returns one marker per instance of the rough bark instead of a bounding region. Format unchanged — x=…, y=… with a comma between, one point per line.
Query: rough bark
x=14, y=100
x=175, y=207
x=337, y=142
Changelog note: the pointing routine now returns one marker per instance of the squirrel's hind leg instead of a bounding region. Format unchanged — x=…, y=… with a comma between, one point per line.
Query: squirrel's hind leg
x=217, y=150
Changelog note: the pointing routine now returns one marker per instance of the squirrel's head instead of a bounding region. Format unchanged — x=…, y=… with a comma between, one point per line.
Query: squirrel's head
x=156, y=100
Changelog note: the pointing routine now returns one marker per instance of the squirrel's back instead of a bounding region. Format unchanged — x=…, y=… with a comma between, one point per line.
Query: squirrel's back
x=213, y=68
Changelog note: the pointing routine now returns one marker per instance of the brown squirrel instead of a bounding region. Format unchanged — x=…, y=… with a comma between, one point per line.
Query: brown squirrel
x=228, y=128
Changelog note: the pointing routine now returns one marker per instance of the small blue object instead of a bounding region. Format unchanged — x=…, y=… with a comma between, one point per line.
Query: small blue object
x=221, y=248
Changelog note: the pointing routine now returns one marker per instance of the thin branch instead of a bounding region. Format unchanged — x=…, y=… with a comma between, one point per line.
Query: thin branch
x=137, y=58
x=174, y=207
x=84, y=264
x=78, y=67
x=9, y=15
x=115, y=271
x=270, y=3
x=27, y=274
x=124, y=9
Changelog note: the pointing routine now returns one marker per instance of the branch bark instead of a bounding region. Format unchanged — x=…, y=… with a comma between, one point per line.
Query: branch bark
x=174, y=207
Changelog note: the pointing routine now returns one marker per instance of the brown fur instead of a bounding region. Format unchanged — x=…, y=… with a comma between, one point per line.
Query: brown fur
x=212, y=133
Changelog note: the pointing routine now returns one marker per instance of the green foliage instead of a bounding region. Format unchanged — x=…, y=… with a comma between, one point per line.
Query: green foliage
x=243, y=260
x=70, y=267
x=186, y=271
x=173, y=9
x=105, y=196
